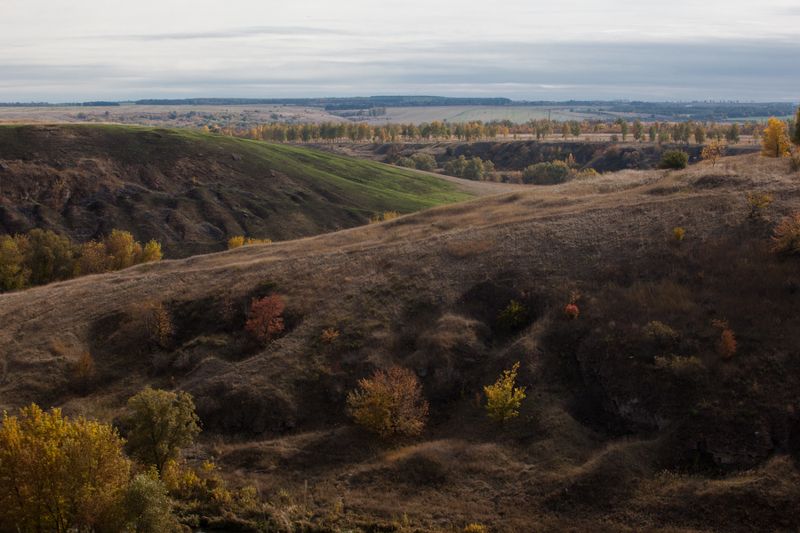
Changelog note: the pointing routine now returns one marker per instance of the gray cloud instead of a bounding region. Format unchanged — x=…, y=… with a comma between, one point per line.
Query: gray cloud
x=718, y=69
x=233, y=33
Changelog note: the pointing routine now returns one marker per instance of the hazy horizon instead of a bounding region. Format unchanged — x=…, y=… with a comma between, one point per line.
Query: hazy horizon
x=621, y=50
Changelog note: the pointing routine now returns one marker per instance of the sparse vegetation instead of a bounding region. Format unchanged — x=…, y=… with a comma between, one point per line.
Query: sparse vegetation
x=513, y=317
x=678, y=233
x=390, y=403
x=383, y=217
x=758, y=202
x=329, y=335
x=238, y=241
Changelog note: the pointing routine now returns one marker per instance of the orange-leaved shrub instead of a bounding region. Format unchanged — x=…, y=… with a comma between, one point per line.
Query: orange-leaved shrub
x=726, y=344
x=786, y=236
x=265, y=321
x=329, y=335
x=389, y=403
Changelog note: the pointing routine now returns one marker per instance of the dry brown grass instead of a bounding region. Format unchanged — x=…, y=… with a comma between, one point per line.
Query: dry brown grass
x=395, y=292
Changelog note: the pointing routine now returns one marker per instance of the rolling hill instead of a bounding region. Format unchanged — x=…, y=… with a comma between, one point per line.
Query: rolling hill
x=192, y=191
x=633, y=420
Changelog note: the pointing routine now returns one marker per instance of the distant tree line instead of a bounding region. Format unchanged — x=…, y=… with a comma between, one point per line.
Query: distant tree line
x=654, y=132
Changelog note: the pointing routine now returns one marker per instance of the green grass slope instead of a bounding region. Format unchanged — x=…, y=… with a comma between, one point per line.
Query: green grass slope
x=192, y=190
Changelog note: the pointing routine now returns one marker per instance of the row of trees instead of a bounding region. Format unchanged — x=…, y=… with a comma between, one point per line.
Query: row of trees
x=43, y=256
x=662, y=132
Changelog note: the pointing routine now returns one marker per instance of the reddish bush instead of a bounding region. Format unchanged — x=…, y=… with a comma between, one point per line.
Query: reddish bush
x=726, y=345
x=572, y=311
x=265, y=321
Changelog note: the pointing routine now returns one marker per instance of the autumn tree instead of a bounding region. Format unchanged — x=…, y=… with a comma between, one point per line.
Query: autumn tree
x=151, y=251
x=699, y=135
x=504, y=398
x=796, y=133
x=712, y=152
x=13, y=274
x=122, y=249
x=389, y=403
x=638, y=130
x=147, y=505
x=92, y=259
x=775, y=142
x=161, y=424
x=59, y=474
x=732, y=135
x=265, y=321
x=48, y=256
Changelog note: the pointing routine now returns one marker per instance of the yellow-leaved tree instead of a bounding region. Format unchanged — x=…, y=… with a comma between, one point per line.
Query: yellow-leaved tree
x=775, y=142
x=503, y=398
x=60, y=474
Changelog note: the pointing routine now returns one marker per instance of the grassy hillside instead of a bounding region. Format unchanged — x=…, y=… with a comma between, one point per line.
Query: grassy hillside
x=192, y=191
x=635, y=419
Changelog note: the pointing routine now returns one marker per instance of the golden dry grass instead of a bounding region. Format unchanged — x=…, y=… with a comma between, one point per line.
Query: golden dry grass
x=397, y=294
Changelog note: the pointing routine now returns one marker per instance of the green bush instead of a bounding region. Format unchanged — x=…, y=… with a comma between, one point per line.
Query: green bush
x=406, y=162
x=674, y=159
x=161, y=423
x=424, y=161
x=549, y=173
x=147, y=505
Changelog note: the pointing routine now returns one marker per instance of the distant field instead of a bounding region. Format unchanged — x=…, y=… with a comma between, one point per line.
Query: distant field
x=167, y=115
x=517, y=114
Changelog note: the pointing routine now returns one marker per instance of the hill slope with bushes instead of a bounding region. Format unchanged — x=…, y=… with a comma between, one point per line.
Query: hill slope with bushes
x=192, y=191
x=655, y=327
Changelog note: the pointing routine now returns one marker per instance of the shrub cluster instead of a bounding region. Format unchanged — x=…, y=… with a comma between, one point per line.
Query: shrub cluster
x=472, y=169
x=238, y=241
x=62, y=474
x=42, y=256
x=418, y=161
x=674, y=159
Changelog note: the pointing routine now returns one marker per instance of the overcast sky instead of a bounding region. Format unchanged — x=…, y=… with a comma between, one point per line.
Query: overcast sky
x=59, y=50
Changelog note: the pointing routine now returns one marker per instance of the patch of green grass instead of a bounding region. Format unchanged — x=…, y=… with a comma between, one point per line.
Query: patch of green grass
x=364, y=186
